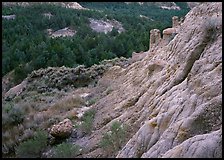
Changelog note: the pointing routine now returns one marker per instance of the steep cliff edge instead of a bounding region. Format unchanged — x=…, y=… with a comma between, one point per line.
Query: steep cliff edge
x=170, y=97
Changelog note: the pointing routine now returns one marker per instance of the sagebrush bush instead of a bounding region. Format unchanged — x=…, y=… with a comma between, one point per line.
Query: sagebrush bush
x=92, y=101
x=12, y=115
x=66, y=150
x=33, y=148
x=87, y=121
x=113, y=140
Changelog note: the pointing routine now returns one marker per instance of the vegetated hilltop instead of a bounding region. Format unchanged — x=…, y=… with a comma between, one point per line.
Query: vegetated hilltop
x=165, y=102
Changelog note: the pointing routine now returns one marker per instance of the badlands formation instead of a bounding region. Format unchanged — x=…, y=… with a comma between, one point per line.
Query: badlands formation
x=170, y=96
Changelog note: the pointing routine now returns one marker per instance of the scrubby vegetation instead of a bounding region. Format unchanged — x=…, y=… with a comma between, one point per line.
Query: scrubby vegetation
x=20, y=121
x=113, y=139
x=34, y=147
x=12, y=115
x=66, y=150
x=87, y=121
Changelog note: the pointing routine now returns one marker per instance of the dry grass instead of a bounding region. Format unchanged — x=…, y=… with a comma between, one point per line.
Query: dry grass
x=53, y=114
x=68, y=103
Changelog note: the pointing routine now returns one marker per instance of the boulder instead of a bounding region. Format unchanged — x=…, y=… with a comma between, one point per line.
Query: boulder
x=62, y=130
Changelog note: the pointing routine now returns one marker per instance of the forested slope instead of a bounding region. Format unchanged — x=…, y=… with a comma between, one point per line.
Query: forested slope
x=26, y=45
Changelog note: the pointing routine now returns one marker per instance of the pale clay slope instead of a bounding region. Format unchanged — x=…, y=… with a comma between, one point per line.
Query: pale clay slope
x=184, y=108
x=171, y=98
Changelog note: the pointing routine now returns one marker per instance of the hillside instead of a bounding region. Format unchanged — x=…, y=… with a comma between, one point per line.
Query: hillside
x=56, y=33
x=165, y=102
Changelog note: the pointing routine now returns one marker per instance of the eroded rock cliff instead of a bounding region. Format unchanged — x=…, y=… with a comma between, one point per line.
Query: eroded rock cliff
x=173, y=97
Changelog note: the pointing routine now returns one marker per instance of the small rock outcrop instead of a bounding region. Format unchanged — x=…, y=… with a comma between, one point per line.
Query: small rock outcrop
x=62, y=129
x=168, y=34
x=65, y=32
x=9, y=17
x=155, y=38
x=47, y=15
x=105, y=26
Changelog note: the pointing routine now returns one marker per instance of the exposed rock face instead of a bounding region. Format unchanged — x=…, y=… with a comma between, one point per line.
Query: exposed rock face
x=193, y=4
x=9, y=17
x=163, y=5
x=155, y=38
x=62, y=129
x=172, y=98
x=175, y=21
x=65, y=32
x=47, y=15
x=210, y=147
x=185, y=107
x=170, y=6
x=168, y=34
x=105, y=26
x=73, y=5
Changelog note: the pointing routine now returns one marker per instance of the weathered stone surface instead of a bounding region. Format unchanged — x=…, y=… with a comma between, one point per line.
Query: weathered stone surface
x=62, y=129
x=105, y=26
x=200, y=146
x=169, y=31
x=172, y=97
x=186, y=105
x=9, y=17
x=175, y=21
x=65, y=32
x=155, y=38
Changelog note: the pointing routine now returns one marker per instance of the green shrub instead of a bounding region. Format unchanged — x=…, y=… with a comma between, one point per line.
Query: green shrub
x=87, y=121
x=66, y=150
x=113, y=140
x=33, y=148
x=12, y=115
x=92, y=101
